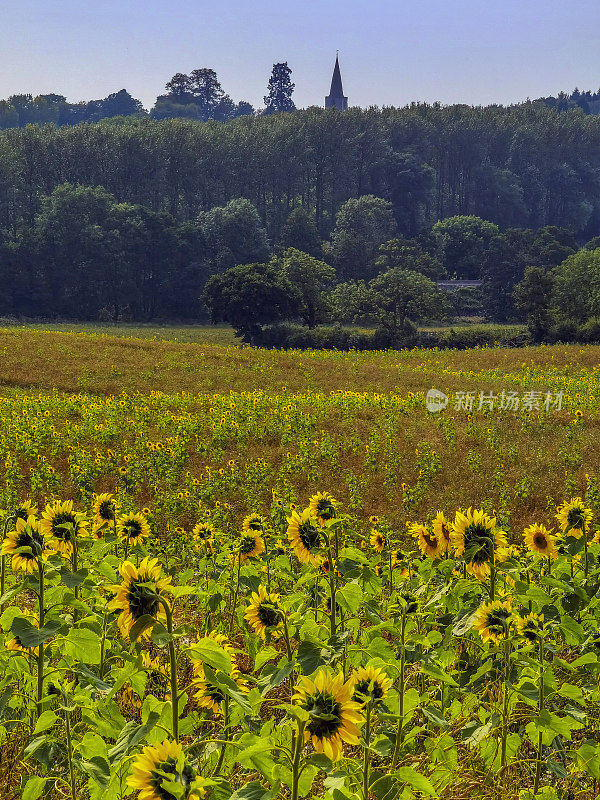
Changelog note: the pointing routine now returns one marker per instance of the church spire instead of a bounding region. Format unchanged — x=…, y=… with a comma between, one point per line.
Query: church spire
x=336, y=98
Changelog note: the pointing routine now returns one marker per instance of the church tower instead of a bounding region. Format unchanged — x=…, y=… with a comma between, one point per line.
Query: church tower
x=336, y=97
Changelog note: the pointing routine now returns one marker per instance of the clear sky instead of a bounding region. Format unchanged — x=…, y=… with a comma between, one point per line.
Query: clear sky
x=468, y=51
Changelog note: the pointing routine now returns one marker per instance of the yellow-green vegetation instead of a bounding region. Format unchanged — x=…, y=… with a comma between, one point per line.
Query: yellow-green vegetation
x=350, y=596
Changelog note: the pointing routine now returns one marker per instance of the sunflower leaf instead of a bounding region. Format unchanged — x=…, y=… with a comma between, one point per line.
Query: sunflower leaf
x=131, y=735
x=29, y=635
x=141, y=625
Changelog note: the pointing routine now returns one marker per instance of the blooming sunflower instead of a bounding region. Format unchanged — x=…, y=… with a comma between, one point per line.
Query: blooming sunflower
x=24, y=510
x=574, y=517
x=476, y=538
x=304, y=537
x=323, y=506
x=204, y=534
x=136, y=595
x=207, y=695
x=133, y=528
x=162, y=763
x=26, y=544
x=493, y=620
x=104, y=509
x=63, y=524
x=429, y=544
x=264, y=612
x=531, y=626
x=251, y=545
x=370, y=685
x=442, y=528
x=378, y=540
x=254, y=522
x=334, y=716
x=540, y=540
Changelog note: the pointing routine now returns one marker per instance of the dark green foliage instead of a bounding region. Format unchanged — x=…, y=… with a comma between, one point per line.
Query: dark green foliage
x=300, y=232
x=280, y=90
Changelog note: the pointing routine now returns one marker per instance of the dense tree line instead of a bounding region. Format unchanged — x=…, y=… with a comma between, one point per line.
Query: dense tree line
x=24, y=109
x=588, y=102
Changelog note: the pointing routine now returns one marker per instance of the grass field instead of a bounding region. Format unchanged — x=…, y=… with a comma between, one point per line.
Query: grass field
x=200, y=432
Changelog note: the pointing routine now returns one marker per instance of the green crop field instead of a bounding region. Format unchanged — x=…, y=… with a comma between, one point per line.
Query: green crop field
x=350, y=595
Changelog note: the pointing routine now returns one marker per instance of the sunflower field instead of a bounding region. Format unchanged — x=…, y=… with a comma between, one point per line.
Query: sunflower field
x=300, y=593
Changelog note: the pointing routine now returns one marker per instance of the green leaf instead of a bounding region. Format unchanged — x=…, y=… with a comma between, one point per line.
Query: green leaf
x=29, y=635
x=416, y=781
x=141, y=625
x=131, y=735
x=45, y=721
x=251, y=791
x=72, y=579
x=350, y=597
x=271, y=677
x=209, y=652
x=83, y=645
x=321, y=761
x=34, y=788
x=265, y=654
x=98, y=768
x=311, y=656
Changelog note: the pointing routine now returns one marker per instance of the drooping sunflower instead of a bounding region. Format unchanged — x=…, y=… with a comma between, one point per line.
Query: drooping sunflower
x=160, y=764
x=531, y=626
x=476, y=537
x=540, y=540
x=305, y=537
x=24, y=510
x=574, y=517
x=442, y=528
x=334, y=716
x=136, y=595
x=371, y=685
x=378, y=540
x=264, y=614
x=204, y=535
x=429, y=544
x=251, y=545
x=323, y=506
x=133, y=528
x=207, y=694
x=26, y=544
x=254, y=522
x=493, y=620
x=104, y=509
x=63, y=524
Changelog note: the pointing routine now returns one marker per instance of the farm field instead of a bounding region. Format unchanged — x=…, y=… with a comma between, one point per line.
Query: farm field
x=334, y=582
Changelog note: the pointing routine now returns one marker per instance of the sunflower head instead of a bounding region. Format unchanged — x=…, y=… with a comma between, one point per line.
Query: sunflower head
x=133, y=528
x=323, y=506
x=304, y=535
x=442, y=529
x=371, y=685
x=477, y=539
x=531, y=627
x=137, y=595
x=63, y=524
x=334, y=716
x=540, y=540
x=27, y=544
x=104, y=509
x=255, y=523
x=378, y=540
x=24, y=510
x=204, y=535
x=207, y=695
x=264, y=614
x=250, y=545
x=429, y=543
x=574, y=517
x=494, y=620
x=157, y=766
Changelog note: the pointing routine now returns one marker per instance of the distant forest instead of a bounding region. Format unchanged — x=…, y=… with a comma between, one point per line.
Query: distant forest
x=131, y=216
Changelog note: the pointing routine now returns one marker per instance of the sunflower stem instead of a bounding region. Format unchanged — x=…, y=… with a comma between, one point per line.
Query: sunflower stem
x=332, y=591
x=40, y=655
x=367, y=751
x=173, y=666
x=225, y=736
x=70, y=753
x=75, y=564
x=296, y=760
x=399, y=732
x=9, y=518
x=237, y=590
x=538, y=766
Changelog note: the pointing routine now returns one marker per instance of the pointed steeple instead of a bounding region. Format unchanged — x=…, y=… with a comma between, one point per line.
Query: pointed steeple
x=336, y=98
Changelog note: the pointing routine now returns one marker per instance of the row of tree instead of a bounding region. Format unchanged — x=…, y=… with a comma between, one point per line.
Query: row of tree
x=198, y=96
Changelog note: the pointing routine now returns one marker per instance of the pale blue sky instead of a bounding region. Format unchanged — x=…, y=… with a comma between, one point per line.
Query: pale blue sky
x=470, y=51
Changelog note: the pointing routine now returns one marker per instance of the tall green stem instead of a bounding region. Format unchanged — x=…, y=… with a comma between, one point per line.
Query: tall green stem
x=296, y=760
x=399, y=732
x=40, y=655
x=237, y=590
x=225, y=735
x=538, y=766
x=367, y=753
x=70, y=754
x=173, y=666
x=332, y=593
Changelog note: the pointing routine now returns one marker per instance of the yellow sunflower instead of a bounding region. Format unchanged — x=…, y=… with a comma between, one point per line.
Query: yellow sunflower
x=104, y=509
x=428, y=542
x=494, y=620
x=207, y=695
x=133, y=528
x=26, y=544
x=478, y=540
x=63, y=524
x=370, y=685
x=323, y=506
x=16, y=645
x=204, y=535
x=574, y=517
x=250, y=545
x=136, y=595
x=540, y=540
x=254, y=522
x=442, y=528
x=24, y=510
x=160, y=764
x=334, y=716
x=378, y=540
x=531, y=627
x=305, y=537
x=264, y=612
